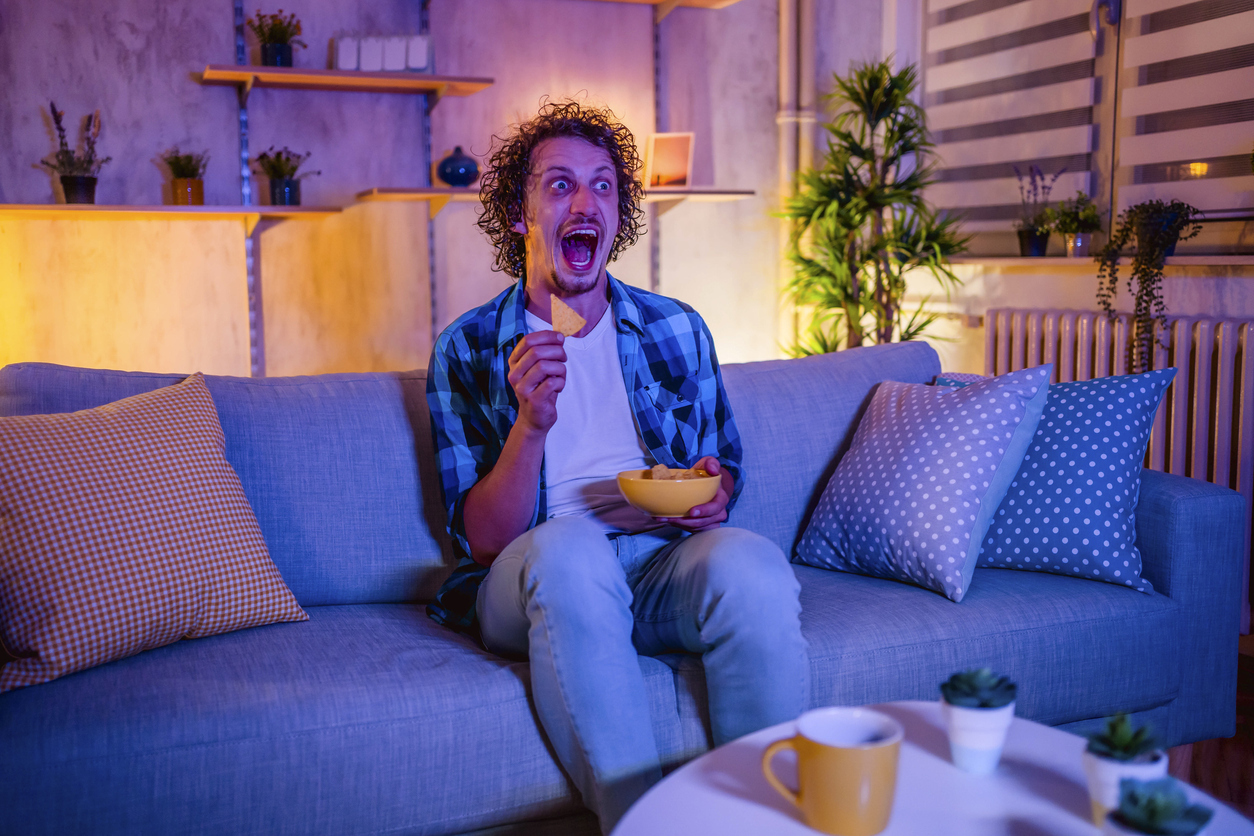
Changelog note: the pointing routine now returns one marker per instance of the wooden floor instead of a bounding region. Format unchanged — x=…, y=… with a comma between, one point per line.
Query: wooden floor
x=1225, y=767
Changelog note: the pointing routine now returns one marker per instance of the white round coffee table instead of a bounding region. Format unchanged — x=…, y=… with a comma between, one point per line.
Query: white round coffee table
x=1038, y=790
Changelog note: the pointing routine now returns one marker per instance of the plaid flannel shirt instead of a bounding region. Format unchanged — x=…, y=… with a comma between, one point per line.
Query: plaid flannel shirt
x=673, y=383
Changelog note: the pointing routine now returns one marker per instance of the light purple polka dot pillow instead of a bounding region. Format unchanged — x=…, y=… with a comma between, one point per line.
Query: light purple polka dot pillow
x=1071, y=508
x=927, y=469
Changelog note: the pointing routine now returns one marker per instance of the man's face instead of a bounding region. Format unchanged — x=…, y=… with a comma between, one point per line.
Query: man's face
x=570, y=215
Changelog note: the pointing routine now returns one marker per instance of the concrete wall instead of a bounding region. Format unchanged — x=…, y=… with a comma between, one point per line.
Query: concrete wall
x=136, y=61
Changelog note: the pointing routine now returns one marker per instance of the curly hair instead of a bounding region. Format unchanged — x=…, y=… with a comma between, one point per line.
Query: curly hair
x=503, y=188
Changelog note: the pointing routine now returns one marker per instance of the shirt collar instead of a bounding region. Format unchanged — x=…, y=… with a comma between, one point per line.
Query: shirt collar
x=512, y=315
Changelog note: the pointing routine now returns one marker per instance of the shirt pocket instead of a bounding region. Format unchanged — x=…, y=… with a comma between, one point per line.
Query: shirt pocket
x=666, y=399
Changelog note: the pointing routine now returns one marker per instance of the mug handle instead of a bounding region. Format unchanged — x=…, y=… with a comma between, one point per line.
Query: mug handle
x=771, y=751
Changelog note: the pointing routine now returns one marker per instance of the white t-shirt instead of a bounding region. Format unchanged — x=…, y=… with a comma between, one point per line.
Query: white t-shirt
x=594, y=437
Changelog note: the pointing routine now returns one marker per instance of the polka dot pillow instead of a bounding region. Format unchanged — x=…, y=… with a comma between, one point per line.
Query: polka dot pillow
x=1071, y=507
x=927, y=468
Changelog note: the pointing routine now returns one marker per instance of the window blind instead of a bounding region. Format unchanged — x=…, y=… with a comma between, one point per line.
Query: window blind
x=1186, y=110
x=1007, y=83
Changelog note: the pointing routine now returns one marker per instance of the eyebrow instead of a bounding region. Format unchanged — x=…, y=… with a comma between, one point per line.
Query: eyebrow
x=568, y=170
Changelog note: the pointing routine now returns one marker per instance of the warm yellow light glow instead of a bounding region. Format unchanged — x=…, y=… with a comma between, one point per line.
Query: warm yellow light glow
x=1198, y=169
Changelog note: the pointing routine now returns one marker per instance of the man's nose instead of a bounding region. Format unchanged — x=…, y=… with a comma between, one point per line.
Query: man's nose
x=583, y=202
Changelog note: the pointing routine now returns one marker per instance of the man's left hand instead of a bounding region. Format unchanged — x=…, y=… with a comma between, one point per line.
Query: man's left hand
x=713, y=513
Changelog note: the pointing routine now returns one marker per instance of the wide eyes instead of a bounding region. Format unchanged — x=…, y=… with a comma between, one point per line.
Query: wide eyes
x=561, y=185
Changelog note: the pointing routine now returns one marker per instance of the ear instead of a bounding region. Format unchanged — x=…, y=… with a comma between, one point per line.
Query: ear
x=520, y=226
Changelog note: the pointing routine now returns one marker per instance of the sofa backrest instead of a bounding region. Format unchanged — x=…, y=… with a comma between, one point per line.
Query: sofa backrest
x=341, y=474
x=349, y=512
x=796, y=419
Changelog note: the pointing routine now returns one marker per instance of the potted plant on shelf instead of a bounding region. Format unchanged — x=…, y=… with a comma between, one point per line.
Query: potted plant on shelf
x=1155, y=808
x=978, y=706
x=282, y=166
x=1156, y=226
x=1116, y=752
x=277, y=35
x=188, y=172
x=1036, y=217
x=77, y=169
x=1076, y=220
x=859, y=221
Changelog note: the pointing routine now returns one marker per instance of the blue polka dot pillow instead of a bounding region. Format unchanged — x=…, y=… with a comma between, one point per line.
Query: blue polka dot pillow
x=1071, y=507
x=926, y=470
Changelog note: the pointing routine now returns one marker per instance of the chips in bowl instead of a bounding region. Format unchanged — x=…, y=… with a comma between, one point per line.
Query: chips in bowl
x=667, y=492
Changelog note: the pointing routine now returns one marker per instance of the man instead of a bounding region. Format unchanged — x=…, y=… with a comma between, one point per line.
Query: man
x=531, y=429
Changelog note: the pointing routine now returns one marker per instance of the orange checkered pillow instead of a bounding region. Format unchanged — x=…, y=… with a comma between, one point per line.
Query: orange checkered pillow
x=124, y=528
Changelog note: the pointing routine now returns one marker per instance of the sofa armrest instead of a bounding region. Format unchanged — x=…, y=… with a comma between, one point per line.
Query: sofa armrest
x=1191, y=535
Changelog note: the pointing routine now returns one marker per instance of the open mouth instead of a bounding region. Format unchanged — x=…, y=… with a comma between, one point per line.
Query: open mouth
x=579, y=248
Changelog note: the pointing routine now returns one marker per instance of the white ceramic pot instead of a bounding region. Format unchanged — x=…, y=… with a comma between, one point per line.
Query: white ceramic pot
x=1104, y=775
x=977, y=735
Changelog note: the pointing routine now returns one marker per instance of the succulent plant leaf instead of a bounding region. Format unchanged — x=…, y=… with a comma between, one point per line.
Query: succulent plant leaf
x=1119, y=741
x=978, y=688
x=1159, y=808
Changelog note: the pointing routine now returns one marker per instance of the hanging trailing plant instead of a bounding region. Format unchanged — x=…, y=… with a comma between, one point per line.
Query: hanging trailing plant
x=859, y=222
x=1155, y=227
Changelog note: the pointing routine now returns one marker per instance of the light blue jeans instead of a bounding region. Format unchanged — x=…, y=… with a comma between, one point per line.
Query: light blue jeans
x=583, y=606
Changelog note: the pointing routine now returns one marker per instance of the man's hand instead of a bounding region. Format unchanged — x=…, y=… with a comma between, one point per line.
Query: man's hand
x=537, y=371
x=713, y=513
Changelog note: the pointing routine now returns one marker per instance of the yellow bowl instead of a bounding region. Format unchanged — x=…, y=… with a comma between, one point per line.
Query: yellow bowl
x=665, y=497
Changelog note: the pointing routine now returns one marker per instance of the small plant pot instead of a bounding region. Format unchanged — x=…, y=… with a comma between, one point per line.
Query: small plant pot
x=977, y=735
x=1078, y=244
x=78, y=188
x=1104, y=775
x=188, y=191
x=284, y=192
x=276, y=55
x=1032, y=243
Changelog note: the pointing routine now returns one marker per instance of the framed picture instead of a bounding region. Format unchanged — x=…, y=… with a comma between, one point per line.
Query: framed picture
x=668, y=161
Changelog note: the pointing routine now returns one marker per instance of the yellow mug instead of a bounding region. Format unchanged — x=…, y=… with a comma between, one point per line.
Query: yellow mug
x=846, y=769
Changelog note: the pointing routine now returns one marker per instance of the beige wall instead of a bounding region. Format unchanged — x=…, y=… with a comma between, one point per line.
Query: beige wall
x=143, y=295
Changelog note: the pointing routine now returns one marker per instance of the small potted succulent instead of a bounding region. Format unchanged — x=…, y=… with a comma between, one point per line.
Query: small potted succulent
x=77, y=169
x=978, y=706
x=277, y=35
x=1036, y=218
x=1076, y=220
x=282, y=166
x=1116, y=752
x=188, y=173
x=1155, y=808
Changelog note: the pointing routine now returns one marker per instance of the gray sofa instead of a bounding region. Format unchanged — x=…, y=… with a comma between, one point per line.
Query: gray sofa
x=370, y=718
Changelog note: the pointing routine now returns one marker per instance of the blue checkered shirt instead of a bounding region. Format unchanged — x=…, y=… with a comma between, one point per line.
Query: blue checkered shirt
x=673, y=382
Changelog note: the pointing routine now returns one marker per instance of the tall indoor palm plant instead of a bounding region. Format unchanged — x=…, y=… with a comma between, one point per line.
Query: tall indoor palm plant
x=859, y=220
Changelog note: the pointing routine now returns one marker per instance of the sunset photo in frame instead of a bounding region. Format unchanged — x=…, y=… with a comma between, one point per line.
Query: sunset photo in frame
x=668, y=161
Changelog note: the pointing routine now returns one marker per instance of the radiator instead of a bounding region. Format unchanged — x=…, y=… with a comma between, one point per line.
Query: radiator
x=1205, y=424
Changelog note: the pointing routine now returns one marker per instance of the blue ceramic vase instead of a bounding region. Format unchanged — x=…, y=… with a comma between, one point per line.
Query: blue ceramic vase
x=458, y=169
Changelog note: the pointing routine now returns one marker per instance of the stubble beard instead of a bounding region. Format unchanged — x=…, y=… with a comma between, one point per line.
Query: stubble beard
x=575, y=285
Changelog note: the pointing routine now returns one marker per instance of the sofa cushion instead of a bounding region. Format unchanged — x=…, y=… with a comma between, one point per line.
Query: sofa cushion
x=366, y=719
x=348, y=509
x=796, y=418
x=928, y=467
x=125, y=529
x=1076, y=649
x=1071, y=509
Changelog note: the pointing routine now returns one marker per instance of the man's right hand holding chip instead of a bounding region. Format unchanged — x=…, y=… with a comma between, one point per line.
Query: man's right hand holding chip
x=537, y=371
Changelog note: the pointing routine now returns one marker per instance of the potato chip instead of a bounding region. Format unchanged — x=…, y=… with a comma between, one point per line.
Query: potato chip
x=565, y=320
x=661, y=471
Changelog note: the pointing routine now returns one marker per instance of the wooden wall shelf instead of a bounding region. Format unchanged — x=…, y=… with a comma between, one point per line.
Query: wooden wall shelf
x=439, y=197
x=246, y=77
x=248, y=215
x=661, y=8
x=1087, y=262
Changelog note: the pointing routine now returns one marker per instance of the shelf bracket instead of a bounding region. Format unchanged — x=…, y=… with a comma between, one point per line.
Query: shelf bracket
x=246, y=88
x=664, y=206
x=662, y=9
